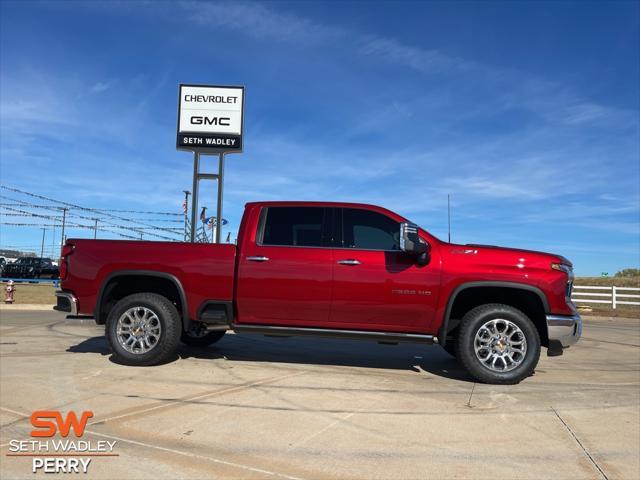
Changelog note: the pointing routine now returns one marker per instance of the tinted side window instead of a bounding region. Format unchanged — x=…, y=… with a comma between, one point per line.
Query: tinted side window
x=295, y=226
x=369, y=230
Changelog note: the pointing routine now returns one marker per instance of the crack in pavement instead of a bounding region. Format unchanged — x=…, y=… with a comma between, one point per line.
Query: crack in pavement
x=575, y=437
x=468, y=405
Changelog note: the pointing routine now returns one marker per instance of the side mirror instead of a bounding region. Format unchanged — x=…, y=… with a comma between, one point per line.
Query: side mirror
x=411, y=243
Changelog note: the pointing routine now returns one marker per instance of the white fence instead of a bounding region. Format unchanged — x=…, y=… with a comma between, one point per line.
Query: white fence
x=613, y=296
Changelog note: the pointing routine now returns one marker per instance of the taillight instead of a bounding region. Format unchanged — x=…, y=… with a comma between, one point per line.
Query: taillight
x=67, y=250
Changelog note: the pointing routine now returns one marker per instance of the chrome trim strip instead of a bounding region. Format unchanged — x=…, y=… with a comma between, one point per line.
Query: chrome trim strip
x=258, y=259
x=73, y=302
x=351, y=249
x=349, y=261
x=336, y=333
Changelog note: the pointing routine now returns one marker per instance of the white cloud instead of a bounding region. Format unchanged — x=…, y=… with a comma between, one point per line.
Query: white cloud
x=256, y=20
x=99, y=87
x=420, y=59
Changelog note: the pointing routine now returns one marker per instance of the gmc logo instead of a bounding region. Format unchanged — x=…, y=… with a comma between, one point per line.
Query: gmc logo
x=222, y=121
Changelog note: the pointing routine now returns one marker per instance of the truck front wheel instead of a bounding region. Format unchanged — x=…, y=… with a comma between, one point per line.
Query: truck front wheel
x=498, y=344
x=143, y=329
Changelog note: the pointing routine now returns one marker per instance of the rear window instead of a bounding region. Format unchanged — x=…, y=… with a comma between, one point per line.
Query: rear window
x=294, y=226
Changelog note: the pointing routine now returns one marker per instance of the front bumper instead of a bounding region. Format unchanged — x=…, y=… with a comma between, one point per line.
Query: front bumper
x=564, y=330
x=67, y=302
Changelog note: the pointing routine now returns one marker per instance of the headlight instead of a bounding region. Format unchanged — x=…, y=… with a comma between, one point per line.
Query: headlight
x=562, y=267
x=569, y=271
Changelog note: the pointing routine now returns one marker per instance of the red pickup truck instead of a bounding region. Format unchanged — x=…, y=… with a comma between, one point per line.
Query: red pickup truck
x=326, y=269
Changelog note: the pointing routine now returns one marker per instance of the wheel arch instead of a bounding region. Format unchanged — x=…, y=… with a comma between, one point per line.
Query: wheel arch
x=121, y=283
x=528, y=298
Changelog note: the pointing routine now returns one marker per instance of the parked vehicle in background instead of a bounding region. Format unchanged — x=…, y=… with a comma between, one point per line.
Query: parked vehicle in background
x=31, y=267
x=3, y=262
x=326, y=269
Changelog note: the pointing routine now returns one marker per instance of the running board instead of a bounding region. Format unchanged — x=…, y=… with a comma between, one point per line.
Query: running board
x=332, y=333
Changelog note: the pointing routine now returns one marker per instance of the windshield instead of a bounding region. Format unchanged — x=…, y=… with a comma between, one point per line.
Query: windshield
x=27, y=261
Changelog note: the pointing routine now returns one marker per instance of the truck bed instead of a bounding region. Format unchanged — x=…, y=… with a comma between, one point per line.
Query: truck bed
x=205, y=271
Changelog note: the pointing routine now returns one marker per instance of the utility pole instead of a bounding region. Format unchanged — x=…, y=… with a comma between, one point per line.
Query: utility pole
x=95, y=229
x=64, y=220
x=449, y=215
x=42, y=247
x=186, y=216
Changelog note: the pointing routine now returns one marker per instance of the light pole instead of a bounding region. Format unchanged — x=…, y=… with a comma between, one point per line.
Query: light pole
x=203, y=218
x=64, y=220
x=95, y=229
x=42, y=247
x=186, y=216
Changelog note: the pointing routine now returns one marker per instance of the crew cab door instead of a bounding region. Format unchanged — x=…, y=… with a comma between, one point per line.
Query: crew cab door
x=376, y=285
x=284, y=273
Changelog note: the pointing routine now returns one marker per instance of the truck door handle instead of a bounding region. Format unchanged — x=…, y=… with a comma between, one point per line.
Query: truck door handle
x=349, y=261
x=258, y=259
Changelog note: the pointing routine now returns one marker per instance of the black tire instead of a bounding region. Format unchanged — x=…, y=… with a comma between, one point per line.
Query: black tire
x=165, y=346
x=196, y=337
x=471, y=325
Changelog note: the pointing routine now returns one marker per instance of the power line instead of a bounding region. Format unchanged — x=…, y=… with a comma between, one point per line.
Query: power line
x=78, y=225
x=53, y=207
x=104, y=212
x=42, y=197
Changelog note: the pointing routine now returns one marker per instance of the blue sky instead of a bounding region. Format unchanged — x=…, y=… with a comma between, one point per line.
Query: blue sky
x=526, y=113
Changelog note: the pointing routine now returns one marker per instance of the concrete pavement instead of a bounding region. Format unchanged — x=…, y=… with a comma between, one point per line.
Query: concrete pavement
x=260, y=407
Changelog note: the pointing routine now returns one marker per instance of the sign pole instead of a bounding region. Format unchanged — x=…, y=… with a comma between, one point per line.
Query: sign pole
x=220, y=193
x=194, y=193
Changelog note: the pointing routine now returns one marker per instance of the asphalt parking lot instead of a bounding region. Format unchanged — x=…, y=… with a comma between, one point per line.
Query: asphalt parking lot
x=262, y=407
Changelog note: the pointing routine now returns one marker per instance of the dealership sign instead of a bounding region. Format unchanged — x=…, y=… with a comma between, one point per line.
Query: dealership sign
x=210, y=118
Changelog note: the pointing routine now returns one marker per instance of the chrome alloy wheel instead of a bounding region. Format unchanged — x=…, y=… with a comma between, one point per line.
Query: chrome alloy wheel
x=500, y=345
x=138, y=330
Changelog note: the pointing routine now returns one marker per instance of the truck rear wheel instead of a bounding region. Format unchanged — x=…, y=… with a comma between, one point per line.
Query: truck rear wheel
x=198, y=336
x=498, y=344
x=143, y=329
